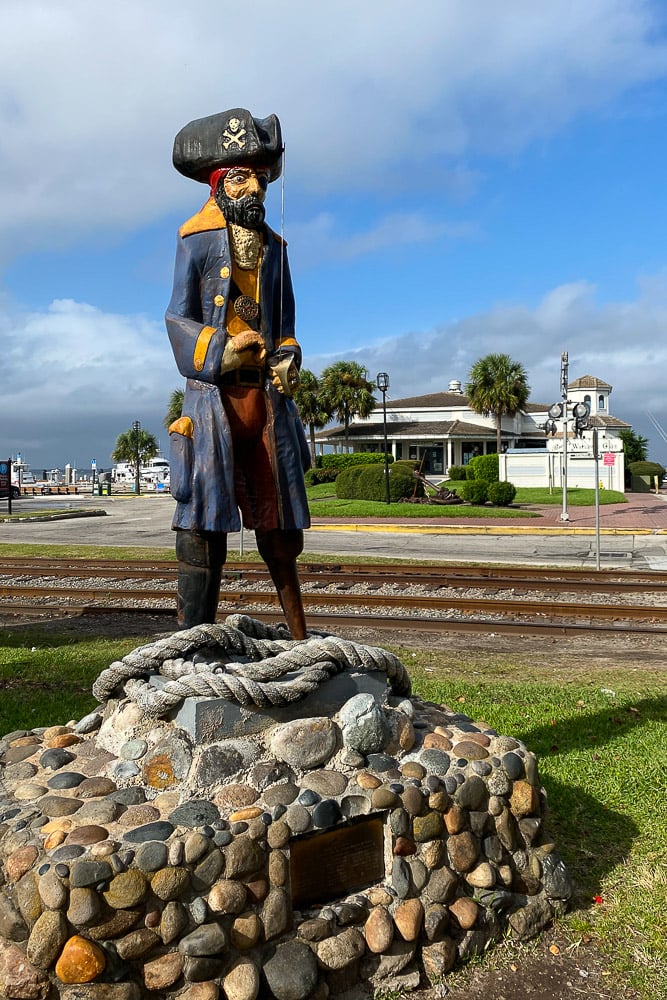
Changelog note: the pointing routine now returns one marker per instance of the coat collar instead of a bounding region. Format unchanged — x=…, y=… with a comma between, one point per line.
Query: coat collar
x=210, y=218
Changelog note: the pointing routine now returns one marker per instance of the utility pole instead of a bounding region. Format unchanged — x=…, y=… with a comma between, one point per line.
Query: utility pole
x=563, y=386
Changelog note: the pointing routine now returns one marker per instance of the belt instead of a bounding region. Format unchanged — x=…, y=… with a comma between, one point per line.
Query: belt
x=244, y=377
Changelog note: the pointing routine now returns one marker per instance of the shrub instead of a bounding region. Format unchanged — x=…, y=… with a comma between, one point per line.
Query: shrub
x=457, y=472
x=367, y=482
x=316, y=476
x=470, y=472
x=501, y=494
x=475, y=491
x=339, y=462
x=485, y=467
x=646, y=469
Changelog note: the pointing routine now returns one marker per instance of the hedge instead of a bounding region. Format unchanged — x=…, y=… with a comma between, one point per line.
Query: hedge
x=457, y=472
x=367, y=482
x=339, y=462
x=646, y=469
x=485, y=467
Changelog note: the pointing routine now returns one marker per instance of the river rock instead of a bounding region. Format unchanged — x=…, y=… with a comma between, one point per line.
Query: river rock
x=306, y=743
x=291, y=972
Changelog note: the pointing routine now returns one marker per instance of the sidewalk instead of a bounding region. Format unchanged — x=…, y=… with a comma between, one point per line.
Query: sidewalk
x=644, y=513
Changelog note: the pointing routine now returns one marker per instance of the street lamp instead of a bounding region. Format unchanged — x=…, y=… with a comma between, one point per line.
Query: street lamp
x=382, y=382
x=136, y=427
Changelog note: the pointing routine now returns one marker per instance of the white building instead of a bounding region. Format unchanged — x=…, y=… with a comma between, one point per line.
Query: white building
x=440, y=430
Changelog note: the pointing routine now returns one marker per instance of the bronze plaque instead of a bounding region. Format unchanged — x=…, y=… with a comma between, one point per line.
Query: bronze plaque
x=333, y=863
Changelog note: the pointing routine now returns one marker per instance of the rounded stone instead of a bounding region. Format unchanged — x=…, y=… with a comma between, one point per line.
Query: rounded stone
x=95, y=787
x=325, y=782
x=435, y=761
x=276, y=913
x=152, y=855
x=291, y=972
x=87, y=873
x=132, y=796
x=384, y=798
x=413, y=769
x=80, y=961
x=245, y=931
x=465, y=912
x=297, y=818
x=84, y=907
x=340, y=951
x=473, y=793
x=227, y=896
x=88, y=834
x=195, y=812
x=126, y=890
x=160, y=830
x=174, y=919
x=363, y=724
x=413, y=800
x=55, y=806
x=278, y=834
x=463, y=849
x=99, y=811
x=208, y=939
x=162, y=972
x=139, y=815
x=381, y=762
x=283, y=794
x=242, y=981
x=379, y=930
x=437, y=741
x=243, y=856
x=66, y=779
x=408, y=917
x=52, y=891
x=168, y=763
x=513, y=765
x=137, y=943
x=170, y=883
x=326, y=813
x=483, y=876
x=306, y=743
x=46, y=939
x=133, y=749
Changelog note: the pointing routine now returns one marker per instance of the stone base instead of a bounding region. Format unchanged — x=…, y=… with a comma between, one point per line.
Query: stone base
x=145, y=857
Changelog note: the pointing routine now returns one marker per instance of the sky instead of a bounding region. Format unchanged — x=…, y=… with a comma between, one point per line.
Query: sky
x=461, y=178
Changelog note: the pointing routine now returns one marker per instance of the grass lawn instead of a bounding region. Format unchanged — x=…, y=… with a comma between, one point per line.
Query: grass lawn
x=599, y=736
x=323, y=503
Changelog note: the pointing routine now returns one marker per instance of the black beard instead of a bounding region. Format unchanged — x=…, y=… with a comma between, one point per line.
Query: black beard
x=247, y=212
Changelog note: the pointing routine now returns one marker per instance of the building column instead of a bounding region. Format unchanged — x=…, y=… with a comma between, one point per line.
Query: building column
x=449, y=453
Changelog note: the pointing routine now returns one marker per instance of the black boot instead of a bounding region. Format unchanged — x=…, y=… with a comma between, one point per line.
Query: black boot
x=201, y=557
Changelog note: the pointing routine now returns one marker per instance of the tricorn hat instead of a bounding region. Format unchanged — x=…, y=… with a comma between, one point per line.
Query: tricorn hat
x=227, y=139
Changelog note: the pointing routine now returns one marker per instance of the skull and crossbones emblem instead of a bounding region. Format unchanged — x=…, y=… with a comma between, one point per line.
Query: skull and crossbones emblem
x=234, y=134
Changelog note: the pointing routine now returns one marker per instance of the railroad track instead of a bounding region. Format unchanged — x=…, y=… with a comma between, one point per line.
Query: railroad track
x=78, y=586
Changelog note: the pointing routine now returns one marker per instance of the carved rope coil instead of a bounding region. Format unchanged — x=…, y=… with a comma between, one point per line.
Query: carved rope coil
x=280, y=671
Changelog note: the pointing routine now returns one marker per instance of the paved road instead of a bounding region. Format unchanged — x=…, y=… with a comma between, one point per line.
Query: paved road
x=145, y=521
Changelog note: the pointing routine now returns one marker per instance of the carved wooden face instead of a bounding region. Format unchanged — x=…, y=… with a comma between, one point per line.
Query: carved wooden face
x=243, y=182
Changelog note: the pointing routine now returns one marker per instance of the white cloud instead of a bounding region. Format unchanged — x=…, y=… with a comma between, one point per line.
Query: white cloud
x=76, y=377
x=91, y=94
x=621, y=342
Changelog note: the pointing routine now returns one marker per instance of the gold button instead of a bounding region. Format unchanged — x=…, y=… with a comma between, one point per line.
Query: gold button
x=219, y=300
x=225, y=272
x=199, y=364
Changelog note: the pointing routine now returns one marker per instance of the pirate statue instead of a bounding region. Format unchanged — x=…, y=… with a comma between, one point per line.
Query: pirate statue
x=239, y=443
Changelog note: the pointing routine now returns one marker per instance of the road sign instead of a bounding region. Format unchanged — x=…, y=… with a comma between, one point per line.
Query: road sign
x=609, y=458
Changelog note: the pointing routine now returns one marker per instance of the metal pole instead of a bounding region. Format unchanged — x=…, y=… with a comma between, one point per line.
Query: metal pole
x=386, y=455
x=136, y=426
x=597, y=498
x=563, y=381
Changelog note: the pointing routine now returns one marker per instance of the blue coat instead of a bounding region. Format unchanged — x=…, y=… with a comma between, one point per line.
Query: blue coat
x=202, y=462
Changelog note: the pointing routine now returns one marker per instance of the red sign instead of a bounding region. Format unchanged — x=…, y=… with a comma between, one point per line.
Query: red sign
x=609, y=458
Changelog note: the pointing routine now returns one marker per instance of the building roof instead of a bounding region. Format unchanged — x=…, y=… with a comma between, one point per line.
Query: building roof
x=589, y=382
x=412, y=429
x=600, y=420
x=442, y=400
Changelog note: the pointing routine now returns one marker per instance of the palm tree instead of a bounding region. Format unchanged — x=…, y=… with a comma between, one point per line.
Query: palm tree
x=174, y=407
x=135, y=443
x=346, y=392
x=497, y=386
x=308, y=399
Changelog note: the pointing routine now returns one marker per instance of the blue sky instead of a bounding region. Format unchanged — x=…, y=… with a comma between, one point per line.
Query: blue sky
x=461, y=178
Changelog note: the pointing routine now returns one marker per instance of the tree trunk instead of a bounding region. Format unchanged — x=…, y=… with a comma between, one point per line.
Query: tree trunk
x=499, y=418
x=312, y=443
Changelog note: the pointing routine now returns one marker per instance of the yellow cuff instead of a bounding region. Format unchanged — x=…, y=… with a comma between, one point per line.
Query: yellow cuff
x=201, y=347
x=287, y=342
x=182, y=426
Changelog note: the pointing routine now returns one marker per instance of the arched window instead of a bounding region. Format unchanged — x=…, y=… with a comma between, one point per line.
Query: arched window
x=600, y=402
x=587, y=399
